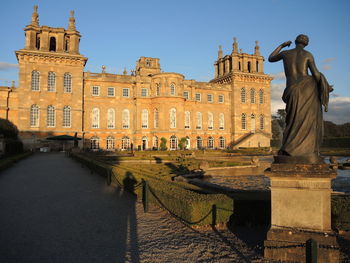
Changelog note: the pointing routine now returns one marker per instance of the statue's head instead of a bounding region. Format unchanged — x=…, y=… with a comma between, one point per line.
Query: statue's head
x=302, y=39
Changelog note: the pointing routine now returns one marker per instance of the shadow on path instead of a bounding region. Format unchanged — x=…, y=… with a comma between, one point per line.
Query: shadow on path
x=52, y=210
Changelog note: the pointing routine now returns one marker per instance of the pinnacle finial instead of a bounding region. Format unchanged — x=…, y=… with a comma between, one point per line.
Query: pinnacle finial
x=257, y=48
x=71, y=24
x=220, y=52
x=35, y=16
x=125, y=71
x=103, y=69
x=235, y=45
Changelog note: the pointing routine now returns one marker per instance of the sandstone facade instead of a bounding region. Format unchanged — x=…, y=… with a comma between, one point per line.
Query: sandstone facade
x=55, y=96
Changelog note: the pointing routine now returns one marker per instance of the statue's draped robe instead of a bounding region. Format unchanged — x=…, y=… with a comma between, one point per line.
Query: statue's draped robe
x=304, y=122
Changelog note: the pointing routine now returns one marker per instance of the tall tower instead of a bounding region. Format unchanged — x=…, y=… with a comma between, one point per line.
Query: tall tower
x=251, y=105
x=50, y=80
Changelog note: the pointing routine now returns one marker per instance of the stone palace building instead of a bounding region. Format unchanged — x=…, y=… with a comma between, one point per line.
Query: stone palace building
x=111, y=111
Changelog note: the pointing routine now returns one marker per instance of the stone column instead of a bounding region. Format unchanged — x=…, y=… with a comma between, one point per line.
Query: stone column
x=300, y=210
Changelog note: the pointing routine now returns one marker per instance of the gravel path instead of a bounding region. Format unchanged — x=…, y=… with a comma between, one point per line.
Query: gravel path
x=53, y=210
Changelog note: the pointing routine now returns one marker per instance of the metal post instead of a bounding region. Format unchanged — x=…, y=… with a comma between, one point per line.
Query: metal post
x=311, y=251
x=145, y=192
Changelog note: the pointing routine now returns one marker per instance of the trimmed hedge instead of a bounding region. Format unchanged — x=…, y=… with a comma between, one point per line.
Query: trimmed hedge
x=342, y=142
x=341, y=212
x=188, y=203
x=9, y=161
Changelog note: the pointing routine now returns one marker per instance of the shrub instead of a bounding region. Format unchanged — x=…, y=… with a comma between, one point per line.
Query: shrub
x=163, y=144
x=341, y=212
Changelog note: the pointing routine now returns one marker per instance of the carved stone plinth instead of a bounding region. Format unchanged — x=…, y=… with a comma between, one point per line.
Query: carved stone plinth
x=300, y=209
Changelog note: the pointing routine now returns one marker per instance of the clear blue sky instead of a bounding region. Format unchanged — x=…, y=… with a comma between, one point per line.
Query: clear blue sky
x=185, y=35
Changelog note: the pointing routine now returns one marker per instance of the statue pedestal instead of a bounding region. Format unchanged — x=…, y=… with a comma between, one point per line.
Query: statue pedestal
x=301, y=209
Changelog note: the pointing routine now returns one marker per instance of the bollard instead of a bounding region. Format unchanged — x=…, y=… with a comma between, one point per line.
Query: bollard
x=145, y=191
x=311, y=251
x=109, y=177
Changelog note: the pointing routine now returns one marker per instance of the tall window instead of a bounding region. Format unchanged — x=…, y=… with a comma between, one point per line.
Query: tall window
x=172, y=89
x=199, y=143
x=252, y=120
x=210, y=121
x=35, y=80
x=198, y=97
x=51, y=81
x=144, y=119
x=67, y=117
x=125, y=119
x=110, y=143
x=173, y=118
x=95, y=91
x=110, y=92
x=95, y=120
x=244, y=121
x=187, y=119
x=155, y=142
x=125, y=143
x=252, y=96
x=52, y=44
x=210, y=97
x=221, y=98
x=156, y=118
x=173, y=142
x=261, y=96
x=34, y=116
x=110, y=119
x=50, y=116
x=198, y=120
x=221, y=121
x=186, y=95
x=243, y=95
x=157, y=89
x=144, y=92
x=262, y=122
x=67, y=82
x=222, y=142
x=125, y=93
x=95, y=143
x=210, y=143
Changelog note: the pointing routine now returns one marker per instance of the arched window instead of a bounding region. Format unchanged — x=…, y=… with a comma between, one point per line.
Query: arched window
x=249, y=67
x=257, y=66
x=95, y=120
x=95, y=143
x=110, y=119
x=199, y=142
x=210, y=143
x=37, y=42
x=221, y=121
x=252, y=120
x=144, y=143
x=222, y=143
x=252, y=96
x=35, y=80
x=66, y=44
x=67, y=82
x=187, y=119
x=125, y=143
x=110, y=143
x=244, y=121
x=155, y=142
x=125, y=119
x=67, y=117
x=261, y=96
x=157, y=89
x=188, y=143
x=243, y=95
x=34, y=116
x=262, y=122
x=52, y=44
x=50, y=116
x=173, y=142
x=210, y=121
x=156, y=118
x=199, y=120
x=173, y=118
x=144, y=119
x=172, y=89
x=51, y=81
